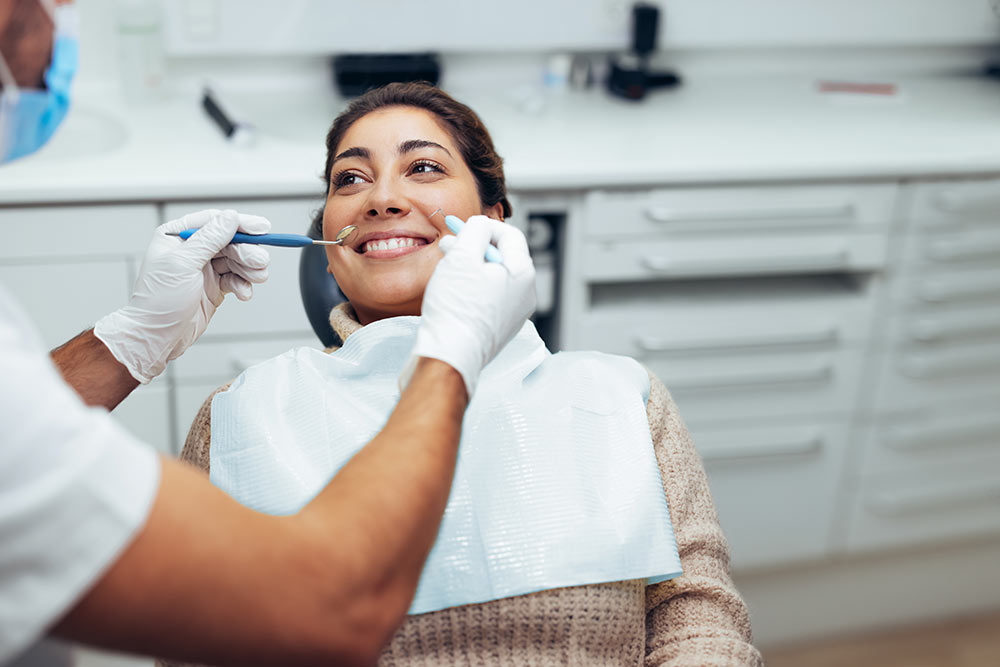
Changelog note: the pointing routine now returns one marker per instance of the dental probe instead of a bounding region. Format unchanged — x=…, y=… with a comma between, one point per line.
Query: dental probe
x=455, y=224
x=284, y=240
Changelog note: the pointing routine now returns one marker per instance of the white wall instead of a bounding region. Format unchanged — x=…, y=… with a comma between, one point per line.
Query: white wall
x=319, y=26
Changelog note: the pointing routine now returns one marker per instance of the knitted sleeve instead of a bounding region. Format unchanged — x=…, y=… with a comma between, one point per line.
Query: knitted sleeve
x=199, y=438
x=698, y=618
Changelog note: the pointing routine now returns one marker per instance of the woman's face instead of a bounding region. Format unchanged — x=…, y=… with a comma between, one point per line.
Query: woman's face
x=393, y=168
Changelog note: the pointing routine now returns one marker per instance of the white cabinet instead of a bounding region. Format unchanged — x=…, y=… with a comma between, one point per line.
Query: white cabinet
x=930, y=466
x=70, y=265
x=756, y=306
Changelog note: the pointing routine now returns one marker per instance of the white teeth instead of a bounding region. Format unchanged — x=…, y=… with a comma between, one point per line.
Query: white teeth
x=391, y=244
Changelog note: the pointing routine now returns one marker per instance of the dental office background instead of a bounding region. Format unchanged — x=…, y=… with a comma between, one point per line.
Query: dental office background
x=801, y=238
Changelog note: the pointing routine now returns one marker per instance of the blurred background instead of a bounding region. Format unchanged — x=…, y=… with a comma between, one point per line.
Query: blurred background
x=787, y=209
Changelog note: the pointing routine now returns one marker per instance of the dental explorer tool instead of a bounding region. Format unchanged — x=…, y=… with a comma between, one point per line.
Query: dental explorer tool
x=455, y=224
x=284, y=240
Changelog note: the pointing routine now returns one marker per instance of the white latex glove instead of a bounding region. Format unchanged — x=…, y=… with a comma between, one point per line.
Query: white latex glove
x=180, y=285
x=472, y=308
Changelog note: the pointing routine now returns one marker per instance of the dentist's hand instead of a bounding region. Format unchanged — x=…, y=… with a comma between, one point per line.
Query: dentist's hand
x=472, y=308
x=180, y=285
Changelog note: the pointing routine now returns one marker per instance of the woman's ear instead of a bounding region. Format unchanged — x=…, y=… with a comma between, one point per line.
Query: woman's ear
x=495, y=211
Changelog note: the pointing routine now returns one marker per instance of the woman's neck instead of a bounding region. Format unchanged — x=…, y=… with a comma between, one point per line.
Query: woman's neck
x=367, y=315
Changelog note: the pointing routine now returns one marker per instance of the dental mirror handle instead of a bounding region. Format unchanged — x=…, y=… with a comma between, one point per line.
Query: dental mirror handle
x=284, y=240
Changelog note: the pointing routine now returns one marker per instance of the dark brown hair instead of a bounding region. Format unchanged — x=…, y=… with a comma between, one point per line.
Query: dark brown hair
x=462, y=123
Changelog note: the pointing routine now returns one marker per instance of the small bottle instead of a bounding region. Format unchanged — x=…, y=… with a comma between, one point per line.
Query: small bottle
x=141, y=49
x=557, y=70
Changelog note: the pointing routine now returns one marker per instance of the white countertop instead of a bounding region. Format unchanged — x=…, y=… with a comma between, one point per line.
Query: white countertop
x=707, y=131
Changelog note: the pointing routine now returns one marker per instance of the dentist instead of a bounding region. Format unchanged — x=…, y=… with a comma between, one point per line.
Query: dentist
x=105, y=543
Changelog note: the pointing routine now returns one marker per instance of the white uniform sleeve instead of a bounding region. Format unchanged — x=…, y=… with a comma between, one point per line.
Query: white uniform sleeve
x=74, y=488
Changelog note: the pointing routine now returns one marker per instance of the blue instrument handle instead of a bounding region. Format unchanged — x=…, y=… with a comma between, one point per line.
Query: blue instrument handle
x=286, y=240
x=455, y=224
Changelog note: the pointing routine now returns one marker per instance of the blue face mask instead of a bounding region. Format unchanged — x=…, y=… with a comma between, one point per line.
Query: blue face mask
x=28, y=118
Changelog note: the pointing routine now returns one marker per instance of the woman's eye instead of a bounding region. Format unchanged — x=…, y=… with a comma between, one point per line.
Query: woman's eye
x=346, y=178
x=426, y=168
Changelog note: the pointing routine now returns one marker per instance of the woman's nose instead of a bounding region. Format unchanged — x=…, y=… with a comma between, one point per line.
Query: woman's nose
x=386, y=201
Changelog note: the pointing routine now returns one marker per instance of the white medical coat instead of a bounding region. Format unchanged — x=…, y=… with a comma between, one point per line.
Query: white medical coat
x=74, y=487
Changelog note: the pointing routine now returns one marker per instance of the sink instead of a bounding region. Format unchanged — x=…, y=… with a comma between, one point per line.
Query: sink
x=84, y=133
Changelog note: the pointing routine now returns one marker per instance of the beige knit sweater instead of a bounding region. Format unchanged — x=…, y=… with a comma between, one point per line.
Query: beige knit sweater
x=697, y=619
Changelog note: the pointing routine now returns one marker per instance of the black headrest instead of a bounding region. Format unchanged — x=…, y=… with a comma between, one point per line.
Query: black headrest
x=319, y=290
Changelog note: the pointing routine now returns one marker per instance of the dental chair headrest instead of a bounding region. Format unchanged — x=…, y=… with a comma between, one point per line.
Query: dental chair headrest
x=319, y=290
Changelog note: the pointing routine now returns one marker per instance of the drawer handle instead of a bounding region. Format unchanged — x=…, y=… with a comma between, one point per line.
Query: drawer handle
x=940, y=291
x=923, y=368
x=953, y=202
x=834, y=261
x=918, y=438
x=666, y=214
x=810, y=448
x=811, y=376
x=899, y=504
x=932, y=331
x=653, y=344
x=947, y=251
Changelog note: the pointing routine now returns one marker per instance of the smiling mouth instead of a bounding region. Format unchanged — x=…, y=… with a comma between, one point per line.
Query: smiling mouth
x=394, y=246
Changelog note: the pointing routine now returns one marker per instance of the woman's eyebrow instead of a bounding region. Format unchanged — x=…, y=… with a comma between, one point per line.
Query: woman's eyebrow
x=354, y=151
x=414, y=144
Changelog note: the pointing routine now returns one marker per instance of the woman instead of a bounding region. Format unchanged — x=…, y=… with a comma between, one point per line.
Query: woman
x=394, y=158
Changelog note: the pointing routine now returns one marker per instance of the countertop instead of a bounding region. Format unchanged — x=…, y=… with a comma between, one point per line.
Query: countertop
x=715, y=130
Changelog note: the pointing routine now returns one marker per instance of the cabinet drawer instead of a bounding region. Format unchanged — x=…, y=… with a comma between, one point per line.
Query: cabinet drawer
x=924, y=439
x=67, y=297
x=949, y=502
x=611, y=214
x=276, y=306
x=775, y=384
x=960, y=285
x=973, y=204
x=72, y=231
x=774, y=487
x=725, y=316
x=943, y=251
x=919, y=375
x=649, y=259
x=932, y=328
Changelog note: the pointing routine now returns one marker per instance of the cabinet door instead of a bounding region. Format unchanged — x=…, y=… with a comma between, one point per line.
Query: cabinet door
x=957, y=499
x=65, y=298
x=774, y=487
x=276, y=306
x=66, y=276
x=64, y=273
